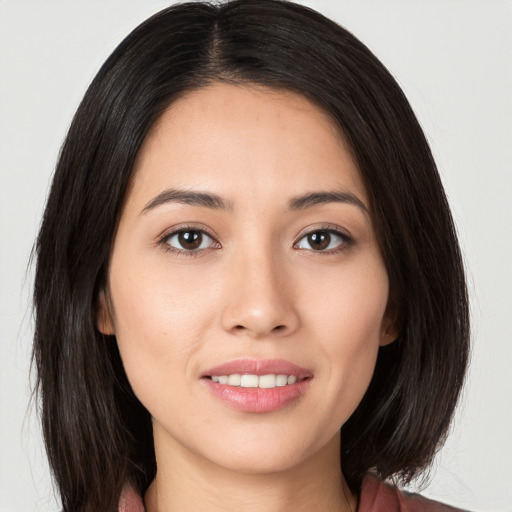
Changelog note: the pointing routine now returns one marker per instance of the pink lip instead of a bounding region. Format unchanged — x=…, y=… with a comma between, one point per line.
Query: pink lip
x=261, y=367
x=257, y=399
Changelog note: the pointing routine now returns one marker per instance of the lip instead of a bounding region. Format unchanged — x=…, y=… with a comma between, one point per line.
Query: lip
x=258, y=400
x=258, y=367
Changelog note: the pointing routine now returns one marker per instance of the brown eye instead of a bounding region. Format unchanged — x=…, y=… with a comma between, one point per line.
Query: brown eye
x=189, y=240
x=324, y=240
x=319, y=240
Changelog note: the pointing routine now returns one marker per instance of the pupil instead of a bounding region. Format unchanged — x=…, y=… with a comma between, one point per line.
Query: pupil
x=190, y=239
x=319, y=240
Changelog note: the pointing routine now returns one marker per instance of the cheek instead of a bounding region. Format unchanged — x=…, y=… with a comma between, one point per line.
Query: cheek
x=157, y=326
x=351, y=315
x=156, y=303
x=351, y=304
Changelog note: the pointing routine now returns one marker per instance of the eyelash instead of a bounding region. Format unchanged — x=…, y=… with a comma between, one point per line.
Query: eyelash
x=163, y=241
x=346, y=240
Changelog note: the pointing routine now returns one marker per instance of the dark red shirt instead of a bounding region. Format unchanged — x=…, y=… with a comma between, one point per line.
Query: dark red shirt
x=376, y=496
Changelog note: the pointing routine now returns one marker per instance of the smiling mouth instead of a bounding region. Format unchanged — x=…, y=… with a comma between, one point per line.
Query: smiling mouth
x=257, y=373
x=258, y=386
x=268, y=381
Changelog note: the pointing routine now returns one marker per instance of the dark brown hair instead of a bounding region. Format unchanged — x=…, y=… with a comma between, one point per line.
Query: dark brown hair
x=98, y=436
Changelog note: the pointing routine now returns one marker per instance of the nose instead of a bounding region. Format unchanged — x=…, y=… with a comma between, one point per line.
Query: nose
x=259, y=298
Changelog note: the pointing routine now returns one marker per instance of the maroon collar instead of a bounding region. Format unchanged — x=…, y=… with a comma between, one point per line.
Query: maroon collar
x=376, y=496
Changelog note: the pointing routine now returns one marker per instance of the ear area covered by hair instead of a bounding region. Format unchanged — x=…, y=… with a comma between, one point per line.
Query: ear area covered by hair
x=391, y=326
x=388, y=336
x=104, y=321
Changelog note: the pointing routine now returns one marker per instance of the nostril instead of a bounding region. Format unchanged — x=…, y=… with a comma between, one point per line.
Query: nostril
x=243, y=328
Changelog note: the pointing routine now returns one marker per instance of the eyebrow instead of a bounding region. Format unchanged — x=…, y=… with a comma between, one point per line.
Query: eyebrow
x=204, y=199
x=319, y=198
x=215, y=202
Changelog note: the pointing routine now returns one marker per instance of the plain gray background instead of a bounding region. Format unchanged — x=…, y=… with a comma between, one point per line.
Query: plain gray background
x=454, y=60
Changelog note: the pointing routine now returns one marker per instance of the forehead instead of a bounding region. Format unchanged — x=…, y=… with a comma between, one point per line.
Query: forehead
x=230, y=135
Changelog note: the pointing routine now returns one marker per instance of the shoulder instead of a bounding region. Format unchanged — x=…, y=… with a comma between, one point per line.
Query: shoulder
x=378, y=496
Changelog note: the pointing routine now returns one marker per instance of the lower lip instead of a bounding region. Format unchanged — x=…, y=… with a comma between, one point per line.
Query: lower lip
x=258, y=399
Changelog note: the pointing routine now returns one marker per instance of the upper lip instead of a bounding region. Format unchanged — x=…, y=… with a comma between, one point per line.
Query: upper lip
x=258, y=367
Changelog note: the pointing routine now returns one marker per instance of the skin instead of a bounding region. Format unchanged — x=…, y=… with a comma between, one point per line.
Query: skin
x=257, y=290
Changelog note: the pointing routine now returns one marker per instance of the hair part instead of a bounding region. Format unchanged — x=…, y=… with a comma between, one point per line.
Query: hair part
x=98, y=435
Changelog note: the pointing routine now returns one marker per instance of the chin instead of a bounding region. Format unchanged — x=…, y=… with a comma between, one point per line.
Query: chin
x=257, y=464
x=262, y=454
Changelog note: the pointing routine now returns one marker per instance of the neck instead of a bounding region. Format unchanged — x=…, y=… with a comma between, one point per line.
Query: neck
x=186, y=482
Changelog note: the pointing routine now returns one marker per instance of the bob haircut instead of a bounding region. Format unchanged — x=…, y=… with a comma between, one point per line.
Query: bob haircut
x=98, y=435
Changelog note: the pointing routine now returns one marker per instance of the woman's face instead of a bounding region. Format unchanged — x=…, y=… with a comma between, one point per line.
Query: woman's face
x=245, y=255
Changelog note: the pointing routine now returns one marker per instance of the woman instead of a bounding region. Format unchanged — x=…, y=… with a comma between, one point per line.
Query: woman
x=249, y=292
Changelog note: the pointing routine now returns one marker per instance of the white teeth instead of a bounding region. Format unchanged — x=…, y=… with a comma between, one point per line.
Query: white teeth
x=235, y=379
x=255, y=381
x=281, y=380
x=249, y=381
x=267, y=381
